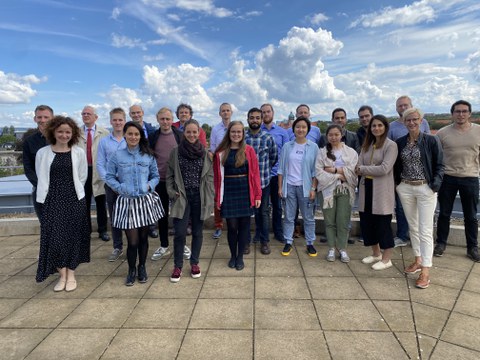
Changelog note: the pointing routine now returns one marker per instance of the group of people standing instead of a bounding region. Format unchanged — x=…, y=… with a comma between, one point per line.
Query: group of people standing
x=151, y=174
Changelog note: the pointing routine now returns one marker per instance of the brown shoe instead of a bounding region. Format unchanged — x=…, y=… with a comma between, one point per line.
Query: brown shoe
x=413, y=268
x=265, y=249
x=423, y=281
x=246, y=251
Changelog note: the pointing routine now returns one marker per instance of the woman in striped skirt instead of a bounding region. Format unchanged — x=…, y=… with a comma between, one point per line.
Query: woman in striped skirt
x=132, y=173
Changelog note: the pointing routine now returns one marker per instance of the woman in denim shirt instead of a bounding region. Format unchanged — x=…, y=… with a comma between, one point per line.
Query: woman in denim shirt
x=297, y=184
x=132, y=173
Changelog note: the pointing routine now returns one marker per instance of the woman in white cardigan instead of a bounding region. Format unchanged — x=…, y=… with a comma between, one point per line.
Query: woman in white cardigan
x=64, y=232
x=335, y=172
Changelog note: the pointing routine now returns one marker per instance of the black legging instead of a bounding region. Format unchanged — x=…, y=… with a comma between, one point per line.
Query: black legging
x=238, y=236
x=137, y=242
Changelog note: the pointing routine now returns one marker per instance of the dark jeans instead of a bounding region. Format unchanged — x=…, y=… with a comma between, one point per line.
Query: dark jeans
x=38, y=207
x=161, y=190
x=192, y=211
x=262, y=218
x=468, y=188
x=402, y=224
x=276, y=209
x=116, y=232
x=100, y=202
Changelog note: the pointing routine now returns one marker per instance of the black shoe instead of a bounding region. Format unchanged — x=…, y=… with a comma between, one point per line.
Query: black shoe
x=246, y=251
x=153, y=233
x=130, y=277
x=473, y=254
x=142, y=274
x=323, y=239
x=239, y=264
x=439, y=249
x=232, y=263
x=351, y=241
x=104, y=236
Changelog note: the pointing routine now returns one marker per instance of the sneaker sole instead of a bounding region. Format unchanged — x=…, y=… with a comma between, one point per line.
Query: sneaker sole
x=331, y=260
x=312, y=255
x=412, y=272
x=174, y=280
x=401, y=245
x=437, y=255
x=196, y=276
x=423, y=286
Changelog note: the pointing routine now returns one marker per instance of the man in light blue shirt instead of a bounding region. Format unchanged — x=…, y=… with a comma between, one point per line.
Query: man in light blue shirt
x=314, y=133
x=216, y=137
x=280, y=137
x=108, y=146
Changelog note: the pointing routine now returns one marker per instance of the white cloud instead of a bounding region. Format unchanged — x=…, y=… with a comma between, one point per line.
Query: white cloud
x=122, y=97
x=317, y=19
x=253, y=13
x=120, y=41
x=294, y=69
x=474, y=61
x=417, y=12
x=116, y=13
x=17, y=89
x=203, y=6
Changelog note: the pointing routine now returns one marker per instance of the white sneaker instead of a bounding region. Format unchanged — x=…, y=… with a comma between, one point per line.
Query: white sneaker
x=160, y=252
x=371, y=259
x=331, y=255
x=381, y=265
x=344, y=256
x=186, y=253
x=399, y=242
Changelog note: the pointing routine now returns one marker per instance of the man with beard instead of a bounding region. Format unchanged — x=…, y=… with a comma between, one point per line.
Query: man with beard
x=267, y=154
x=365, y=114
x=280, y=137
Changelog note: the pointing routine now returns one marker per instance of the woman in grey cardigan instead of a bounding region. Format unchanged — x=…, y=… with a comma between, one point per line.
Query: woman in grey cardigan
x=190, y=187
x=377, y=192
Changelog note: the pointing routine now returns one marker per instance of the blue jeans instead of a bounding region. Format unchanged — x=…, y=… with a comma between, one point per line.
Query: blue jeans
x=276, y=208
x=292, y=201
x=468, y=188
x=262, y=221
x=402, y=224
x=192, y=211
x=116, y=233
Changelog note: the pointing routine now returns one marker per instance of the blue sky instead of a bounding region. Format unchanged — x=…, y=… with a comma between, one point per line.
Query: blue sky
x=204, y=52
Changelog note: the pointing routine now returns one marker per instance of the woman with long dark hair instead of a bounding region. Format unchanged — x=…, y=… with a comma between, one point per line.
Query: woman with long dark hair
x=376, y=201
x=190, y=187
x=335, y=172
x=64, y=232
x=237, y=188
x=132, y=173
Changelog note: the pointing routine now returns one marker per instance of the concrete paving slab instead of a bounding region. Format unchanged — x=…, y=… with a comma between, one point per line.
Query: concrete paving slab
x=397, y=314
x=86, y=285
x=364, y=270
x=187, y=288
x=161, y=314
x=22, y=240
x=221, y=344
x=380, y=288
x=473, y=282
x=10, y=266
x=287, y=345
x=278, y=267
x=281, y=288
x=27, y=252
x=285, y=315
x=216, y=287
x=349, y=315
x=442, y=297
x=409, y=342
x=364, y=345
x=40, y=313
x=18, y=343
x=114, y=287
x=222, y=314
x=100, y=313
x=325, y=288
x=152, y=344
x=8, y=306
x=325, y=268
x=447, y=277
x=446, y=350
x=429, y=320
x=22, y=287
x=468, y=304
x=73, y=344
x=218, y=267
x=222, y=251
x=460, y=330
x=8, y=250
x=97, y=267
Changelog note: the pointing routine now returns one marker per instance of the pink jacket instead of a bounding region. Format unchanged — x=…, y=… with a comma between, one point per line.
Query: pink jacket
x=253, y=176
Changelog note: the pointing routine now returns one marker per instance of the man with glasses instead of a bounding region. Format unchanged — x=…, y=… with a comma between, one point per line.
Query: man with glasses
x=461, y=154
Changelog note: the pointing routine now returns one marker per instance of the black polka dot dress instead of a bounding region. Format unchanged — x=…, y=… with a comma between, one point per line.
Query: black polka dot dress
x=64, y=232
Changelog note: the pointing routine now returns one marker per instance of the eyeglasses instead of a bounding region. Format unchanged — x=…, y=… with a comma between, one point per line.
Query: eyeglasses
x=412, y=120
x=458, y=112
x=86, y=113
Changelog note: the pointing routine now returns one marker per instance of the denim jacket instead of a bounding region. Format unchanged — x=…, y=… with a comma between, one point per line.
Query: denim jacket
x=132, y=174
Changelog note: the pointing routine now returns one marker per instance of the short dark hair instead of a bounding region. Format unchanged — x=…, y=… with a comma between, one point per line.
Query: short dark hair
x=254, y=109
x=338, y=110
x=461, y=102
x=182, y=106
x=299, y=106
x=43, y=107
x=363, y=108
x=58, y=121
x=302, y=118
